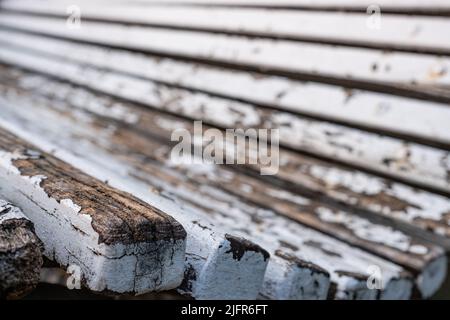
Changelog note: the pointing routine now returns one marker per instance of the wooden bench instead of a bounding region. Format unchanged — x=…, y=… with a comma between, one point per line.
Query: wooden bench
x=363, y=118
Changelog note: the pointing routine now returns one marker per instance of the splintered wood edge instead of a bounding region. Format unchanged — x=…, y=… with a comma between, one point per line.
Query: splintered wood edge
x=20, y=253
x=120, y=243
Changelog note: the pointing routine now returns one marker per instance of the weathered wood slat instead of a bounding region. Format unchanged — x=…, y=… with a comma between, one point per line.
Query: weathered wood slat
x=416, y=7
x=118, y=242
x=313, y=62
x=397, y=158
x=153, y=173
x=20, y=253
x=381, y=113
x=417, y=34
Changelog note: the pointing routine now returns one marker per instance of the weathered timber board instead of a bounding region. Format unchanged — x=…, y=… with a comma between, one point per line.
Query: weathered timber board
x=120, y=243
x=20, y=253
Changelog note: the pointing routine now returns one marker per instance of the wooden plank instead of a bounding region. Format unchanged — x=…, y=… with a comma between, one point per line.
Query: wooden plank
x=415, y=7
x=405, y=33
x=397, y=158
x=381, y=113
x=110, y=235
x=202, y=199
x=359, y=68
x=20, y=253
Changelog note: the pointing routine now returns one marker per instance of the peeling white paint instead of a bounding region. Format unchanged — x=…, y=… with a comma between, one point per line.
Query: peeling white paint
x=13, y=212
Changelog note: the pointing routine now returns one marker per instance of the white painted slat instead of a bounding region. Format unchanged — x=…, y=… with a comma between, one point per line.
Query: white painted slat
x=272, y=227
x=335, y=26
x=312, y=3
x=354, y=63
x=425, y=119
x=401, y=159
x=77, y=231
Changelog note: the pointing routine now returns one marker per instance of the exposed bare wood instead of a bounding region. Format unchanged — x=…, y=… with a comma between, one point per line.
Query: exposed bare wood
x=107, y=233
x=20, y=253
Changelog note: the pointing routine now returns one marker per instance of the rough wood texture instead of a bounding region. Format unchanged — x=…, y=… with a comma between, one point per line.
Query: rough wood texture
x=20, y=253
x=120, y=243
